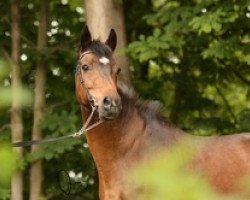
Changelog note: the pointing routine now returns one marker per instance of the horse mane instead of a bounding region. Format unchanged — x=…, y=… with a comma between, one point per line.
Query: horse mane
x=99, y=48
x=150, y=110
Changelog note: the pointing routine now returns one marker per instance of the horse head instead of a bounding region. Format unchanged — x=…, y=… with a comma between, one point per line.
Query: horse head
x=96, y=77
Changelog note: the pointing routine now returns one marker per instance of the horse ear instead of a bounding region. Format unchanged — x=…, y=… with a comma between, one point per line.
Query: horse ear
x=85, y=38
x=112, y=40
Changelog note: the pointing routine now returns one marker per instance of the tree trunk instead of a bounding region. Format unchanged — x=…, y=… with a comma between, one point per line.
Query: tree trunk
x=36, y=174
x=16, y=110
x=102, y=15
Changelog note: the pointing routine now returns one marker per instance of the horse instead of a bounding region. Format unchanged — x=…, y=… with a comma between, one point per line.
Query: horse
x=131, y=128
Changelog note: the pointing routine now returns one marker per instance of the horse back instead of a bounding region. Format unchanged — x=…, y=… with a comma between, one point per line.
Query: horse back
x=224, y=161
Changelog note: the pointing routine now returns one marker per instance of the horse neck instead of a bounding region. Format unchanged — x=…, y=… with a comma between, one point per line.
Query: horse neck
x=112, y=138
x=129, y=134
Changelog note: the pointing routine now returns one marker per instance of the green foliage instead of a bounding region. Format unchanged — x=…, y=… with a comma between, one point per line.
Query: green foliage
x=8, y=166
x=53, y=123
x=62, y=112
x=23, y=95
x=199, y=53
x=8, y=159
x=244, y=120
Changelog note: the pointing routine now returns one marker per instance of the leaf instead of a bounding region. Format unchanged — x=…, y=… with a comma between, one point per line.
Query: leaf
x=247, y=59
x=216, y=26
x=157, y=32
x=195, y=23
x=4, y=193
x=206, y=28
x=8, y=165
x=147, y=55
x=244, y=118
x=23, y=95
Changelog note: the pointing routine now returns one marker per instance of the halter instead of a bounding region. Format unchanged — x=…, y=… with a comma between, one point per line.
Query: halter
x=79, y=73
x=89, y=96
x=86, y=127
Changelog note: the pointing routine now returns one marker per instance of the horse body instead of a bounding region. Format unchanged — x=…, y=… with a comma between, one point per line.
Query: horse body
x=224, y=161
x=126, y=141
x=133, y=129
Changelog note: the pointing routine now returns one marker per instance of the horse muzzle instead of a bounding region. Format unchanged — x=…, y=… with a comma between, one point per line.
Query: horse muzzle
x=110, y=108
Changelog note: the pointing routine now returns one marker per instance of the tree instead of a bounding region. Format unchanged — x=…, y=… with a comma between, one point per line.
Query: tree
x=36, y=174
x=16, y=110
x=196, y=54
x=61, y=115
x=101, y=16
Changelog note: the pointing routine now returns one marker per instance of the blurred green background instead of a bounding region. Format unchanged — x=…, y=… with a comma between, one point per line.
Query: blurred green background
x=193, y=56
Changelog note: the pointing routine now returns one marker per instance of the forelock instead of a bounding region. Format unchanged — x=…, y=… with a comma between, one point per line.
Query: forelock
x=100, y=49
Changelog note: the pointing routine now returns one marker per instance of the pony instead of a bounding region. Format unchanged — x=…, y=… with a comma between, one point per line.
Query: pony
x=131, y=128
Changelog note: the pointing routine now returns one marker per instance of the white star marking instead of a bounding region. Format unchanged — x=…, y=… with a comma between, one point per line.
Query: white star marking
x=104, y=60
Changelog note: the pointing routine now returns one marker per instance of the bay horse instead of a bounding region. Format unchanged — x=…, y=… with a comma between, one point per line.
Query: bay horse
x=132, y=128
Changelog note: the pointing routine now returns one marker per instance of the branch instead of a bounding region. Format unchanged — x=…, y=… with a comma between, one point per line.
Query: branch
x=5, y=126
x=227, y=104
x=242, y=78
x=21, y=35
x=55, y=105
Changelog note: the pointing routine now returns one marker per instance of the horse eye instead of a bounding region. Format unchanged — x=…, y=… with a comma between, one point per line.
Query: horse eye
x=85, y=67
x=118, y=71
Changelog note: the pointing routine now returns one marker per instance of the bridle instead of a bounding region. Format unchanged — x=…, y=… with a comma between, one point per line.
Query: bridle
x=89, y=96
x=79, y=73
x=86, y=127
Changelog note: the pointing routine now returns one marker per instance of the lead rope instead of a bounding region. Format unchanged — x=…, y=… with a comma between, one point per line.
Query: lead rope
x=82, y=131
x=85, y=128
x=77, y=134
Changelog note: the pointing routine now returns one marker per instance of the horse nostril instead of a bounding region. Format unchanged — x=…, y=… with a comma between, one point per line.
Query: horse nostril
x=107, y=102
x=117, y=103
